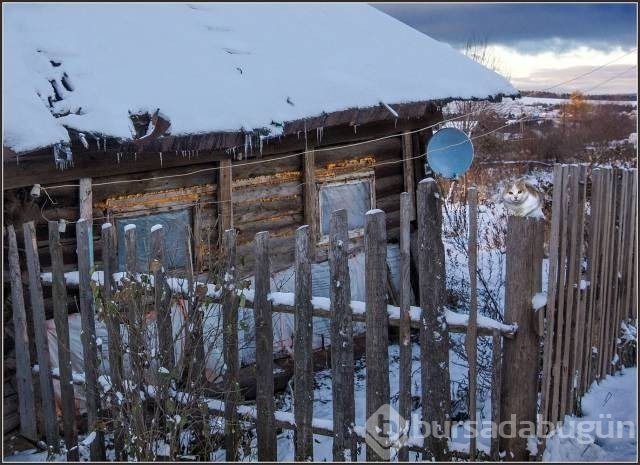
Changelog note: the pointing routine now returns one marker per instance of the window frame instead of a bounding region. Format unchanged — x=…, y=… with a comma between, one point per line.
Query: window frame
x=367, y=176
x=123, y=215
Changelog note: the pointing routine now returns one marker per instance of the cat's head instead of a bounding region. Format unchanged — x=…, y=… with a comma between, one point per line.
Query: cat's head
x=517, y=191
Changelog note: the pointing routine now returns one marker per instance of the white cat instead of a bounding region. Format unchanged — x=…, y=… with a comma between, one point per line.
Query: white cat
x=521, y=198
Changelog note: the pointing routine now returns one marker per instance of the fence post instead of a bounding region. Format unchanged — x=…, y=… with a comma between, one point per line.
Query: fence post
x=88, y=335
x=434, y=335
x=341, y=340
x=496, y=388
x=40, y=335
x=472, y=328
x=407, y=213
x=377, y=335
x=521, y=355
x=162, y=298
x=134, y=333
x=112, y=320
x=303, y=349
x=264, y=352
x=230, y=348
x=60, y=315
x=24, y=378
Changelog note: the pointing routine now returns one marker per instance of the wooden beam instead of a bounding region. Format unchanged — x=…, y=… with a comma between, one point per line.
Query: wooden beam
x=86, y=212
x=311, y=199
x=225, y=207
x=408, y=172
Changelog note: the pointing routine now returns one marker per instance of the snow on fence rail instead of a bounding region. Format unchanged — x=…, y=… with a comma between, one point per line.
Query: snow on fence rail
x=284, y=302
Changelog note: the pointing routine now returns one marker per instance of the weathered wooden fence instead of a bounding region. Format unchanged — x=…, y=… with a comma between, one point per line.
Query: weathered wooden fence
x=577, y=319
x=592, y=282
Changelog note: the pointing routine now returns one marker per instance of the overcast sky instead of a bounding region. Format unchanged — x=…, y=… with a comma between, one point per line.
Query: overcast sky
x=540, y=45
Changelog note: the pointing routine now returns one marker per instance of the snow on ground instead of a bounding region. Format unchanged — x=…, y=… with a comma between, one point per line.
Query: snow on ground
x=607, y=429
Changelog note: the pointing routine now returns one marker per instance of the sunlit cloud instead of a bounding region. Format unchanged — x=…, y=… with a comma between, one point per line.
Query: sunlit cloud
x=537, y=71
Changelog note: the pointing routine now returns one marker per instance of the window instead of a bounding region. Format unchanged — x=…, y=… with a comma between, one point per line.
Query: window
x=176, y=225
x=355, y=195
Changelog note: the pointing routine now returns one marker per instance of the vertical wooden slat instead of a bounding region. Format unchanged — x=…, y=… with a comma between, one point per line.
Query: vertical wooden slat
x=230, y=347
x=86, y=212
x=303, y=348
x=405, y=318
x=408, y=173
x=615, y=272
x=595, y=267
x=112, y=320
x=60, y=316
x=523, y=280
x=631, y=247
x=311, y=199
x=607, y=271
x=264, y=352
x=225, y=196
x=572, y=287
x=558, y=375
x=88, y=336
x=135, y=330
x=564, y=348
x=548, y=373
x=579, y=350
x=434, y=336
x=195, y=339
x=496, y=391
x=135, y=320
x=342, y=357
x=472, y=328
x=24, y=379
x=40, y=335
x=593, y=232
x=162, y=298
x=377, y=337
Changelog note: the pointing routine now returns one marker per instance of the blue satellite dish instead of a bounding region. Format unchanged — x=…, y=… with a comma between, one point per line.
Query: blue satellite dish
x=450, y=153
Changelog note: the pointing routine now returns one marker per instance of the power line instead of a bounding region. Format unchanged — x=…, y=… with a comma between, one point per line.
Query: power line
x=611, y=78
x=590, y=72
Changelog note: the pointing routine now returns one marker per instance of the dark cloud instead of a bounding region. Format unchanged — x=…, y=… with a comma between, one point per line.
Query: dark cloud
x=526, y=27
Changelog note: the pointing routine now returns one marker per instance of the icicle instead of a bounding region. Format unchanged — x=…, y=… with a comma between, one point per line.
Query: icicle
x=104, y=144
x=118, y=155
x=261, y=139
x=355, y=128
x=319, y=131
x=160, y=153
x=62, y=155
x=135, y=156
x=395, y=123
x=83, y=139
x=246, y=145
x=97, y=141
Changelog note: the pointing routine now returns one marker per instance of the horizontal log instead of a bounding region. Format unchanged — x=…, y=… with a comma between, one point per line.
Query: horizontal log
x=35, y=167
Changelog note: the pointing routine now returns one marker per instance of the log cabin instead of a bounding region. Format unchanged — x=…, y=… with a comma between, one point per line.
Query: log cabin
x=205, y=117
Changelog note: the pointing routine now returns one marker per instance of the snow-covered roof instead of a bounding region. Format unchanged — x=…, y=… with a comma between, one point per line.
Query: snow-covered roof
x=214, y=67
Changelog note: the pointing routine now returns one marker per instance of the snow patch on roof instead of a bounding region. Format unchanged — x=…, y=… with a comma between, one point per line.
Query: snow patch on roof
x=227, y=67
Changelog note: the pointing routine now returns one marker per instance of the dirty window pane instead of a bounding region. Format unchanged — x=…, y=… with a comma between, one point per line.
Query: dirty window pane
x=175, y=225
x=354, y=197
